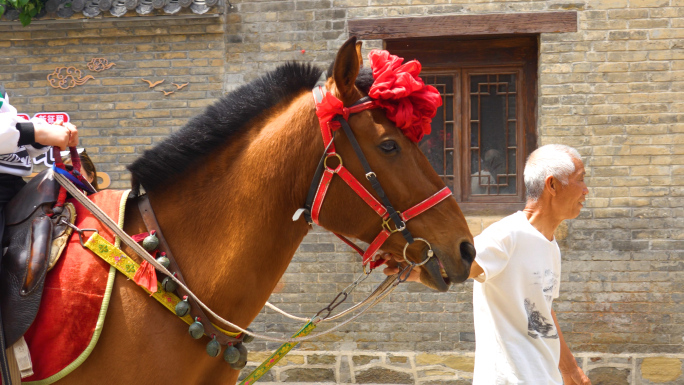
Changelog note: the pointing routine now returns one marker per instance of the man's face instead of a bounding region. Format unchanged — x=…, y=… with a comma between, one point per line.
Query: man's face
x=570, y=197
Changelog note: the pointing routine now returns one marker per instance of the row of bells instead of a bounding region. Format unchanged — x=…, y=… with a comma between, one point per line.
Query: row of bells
x=236, y=354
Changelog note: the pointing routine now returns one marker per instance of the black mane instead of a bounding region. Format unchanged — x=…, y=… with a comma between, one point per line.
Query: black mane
x=224, y=120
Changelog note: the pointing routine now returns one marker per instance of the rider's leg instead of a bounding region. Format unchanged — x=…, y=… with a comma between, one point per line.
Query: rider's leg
x=9, y=186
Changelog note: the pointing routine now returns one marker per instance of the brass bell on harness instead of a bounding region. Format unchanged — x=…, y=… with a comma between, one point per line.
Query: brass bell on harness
x=151, y=242
x=242, y=361
x=213, y=347
x=169, y=285
x=246, y=338
x=196, y=329
x=163, y=260
x=231, y=355
x=183, y=307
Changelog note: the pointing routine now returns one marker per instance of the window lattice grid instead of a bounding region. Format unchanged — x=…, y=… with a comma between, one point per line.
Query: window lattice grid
x=493, y=140
x=439, y=145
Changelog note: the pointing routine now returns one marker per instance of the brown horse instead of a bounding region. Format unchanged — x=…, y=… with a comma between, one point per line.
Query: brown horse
x=224, y=190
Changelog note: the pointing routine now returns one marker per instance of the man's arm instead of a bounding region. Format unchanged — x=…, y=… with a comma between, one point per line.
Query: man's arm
x=572, y=374
x=475, y=270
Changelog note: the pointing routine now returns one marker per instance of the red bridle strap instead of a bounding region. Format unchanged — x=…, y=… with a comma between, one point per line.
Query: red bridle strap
x=405, y=216
x=426, y=204
x=327, y=111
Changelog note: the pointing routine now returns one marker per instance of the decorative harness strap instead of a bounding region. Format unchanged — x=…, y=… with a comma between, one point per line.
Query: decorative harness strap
x=196, y=311
x=126, y=265
x=324, y=174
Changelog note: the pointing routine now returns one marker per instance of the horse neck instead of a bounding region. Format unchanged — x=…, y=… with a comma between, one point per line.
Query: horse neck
x=229, y=222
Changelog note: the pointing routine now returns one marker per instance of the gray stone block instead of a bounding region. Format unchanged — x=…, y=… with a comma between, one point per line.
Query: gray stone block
x=383, y=376
x=314, y=375
x=609, y=376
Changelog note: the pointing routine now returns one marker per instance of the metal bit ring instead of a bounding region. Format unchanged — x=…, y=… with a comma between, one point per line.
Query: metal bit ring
x=430, y=253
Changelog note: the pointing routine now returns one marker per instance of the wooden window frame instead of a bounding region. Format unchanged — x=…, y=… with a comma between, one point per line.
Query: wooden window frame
x=399, y=33
x=464, y=25
x=463, y=55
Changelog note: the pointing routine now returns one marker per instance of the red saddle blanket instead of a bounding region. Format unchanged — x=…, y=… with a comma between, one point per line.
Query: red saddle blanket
x=66, y=327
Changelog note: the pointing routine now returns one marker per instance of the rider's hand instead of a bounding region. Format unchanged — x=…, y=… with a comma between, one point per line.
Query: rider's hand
x=393, y=267
x=575, y=377
x=62, y=135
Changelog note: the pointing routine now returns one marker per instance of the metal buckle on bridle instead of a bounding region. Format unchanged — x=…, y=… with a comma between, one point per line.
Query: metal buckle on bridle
x=386, y=225
x=430, y=253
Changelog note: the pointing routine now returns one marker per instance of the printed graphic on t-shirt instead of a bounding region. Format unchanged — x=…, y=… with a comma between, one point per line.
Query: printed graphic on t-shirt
x=549, y=284
x=537, y=324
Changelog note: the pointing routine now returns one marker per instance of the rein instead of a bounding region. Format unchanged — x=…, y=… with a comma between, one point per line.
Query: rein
x=383, y=290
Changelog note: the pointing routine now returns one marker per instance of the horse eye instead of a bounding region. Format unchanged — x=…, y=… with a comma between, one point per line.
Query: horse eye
x=389, y=146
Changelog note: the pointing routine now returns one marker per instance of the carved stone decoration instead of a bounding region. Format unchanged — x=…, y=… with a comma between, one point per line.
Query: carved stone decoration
x=99, y=64
x=67, y=77
x=118, y=9
x=184, y=3
x=92, y=8
x=144, y=7
x=210, y=3
x=104, y=5
x=131, y=4
x=172, y=7
x=199, y=7
x=65, y=11
x=159, y=4
x=78, y=5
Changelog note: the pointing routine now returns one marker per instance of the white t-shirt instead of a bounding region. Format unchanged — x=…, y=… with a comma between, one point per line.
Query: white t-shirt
x=516, y=341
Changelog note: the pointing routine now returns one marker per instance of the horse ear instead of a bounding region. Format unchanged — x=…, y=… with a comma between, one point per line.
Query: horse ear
x=346, y=69
x=358, y=53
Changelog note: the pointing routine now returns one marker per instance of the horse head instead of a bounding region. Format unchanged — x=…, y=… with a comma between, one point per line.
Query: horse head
x=402, y=170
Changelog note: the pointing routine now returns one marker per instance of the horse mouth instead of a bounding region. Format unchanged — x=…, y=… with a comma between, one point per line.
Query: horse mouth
x=440, y=277
x=435, y=276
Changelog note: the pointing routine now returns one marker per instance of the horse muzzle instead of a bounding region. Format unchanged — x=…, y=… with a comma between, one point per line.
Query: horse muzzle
x=442, y=271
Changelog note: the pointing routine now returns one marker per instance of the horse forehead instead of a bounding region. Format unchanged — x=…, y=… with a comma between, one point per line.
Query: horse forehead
x=376, y=121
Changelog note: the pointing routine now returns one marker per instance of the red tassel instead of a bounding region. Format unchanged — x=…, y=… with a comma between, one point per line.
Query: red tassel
x=146, y=276
x=139, y=237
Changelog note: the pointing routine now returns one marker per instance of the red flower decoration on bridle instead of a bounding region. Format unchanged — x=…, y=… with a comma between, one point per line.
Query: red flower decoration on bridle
x=397, y=88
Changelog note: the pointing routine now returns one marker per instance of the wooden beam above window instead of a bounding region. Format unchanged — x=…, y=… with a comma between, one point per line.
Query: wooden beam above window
x=455, y=25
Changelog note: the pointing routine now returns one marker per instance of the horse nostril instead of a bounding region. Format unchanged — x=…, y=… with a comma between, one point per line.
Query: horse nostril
x=467, y=251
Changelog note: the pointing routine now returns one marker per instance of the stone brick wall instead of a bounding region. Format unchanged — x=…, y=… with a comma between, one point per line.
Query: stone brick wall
x=117, y=113
x=614, y=90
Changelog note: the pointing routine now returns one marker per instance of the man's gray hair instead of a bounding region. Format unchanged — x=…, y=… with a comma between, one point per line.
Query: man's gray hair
x=550, y=160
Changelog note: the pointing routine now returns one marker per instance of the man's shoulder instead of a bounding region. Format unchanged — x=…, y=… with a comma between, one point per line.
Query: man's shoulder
x=507, y=225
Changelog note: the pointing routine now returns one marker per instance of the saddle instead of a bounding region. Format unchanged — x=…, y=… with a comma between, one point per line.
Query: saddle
x=29, y=236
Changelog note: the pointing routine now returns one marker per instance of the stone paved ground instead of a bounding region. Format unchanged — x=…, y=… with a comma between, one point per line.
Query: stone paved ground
x=370, y=367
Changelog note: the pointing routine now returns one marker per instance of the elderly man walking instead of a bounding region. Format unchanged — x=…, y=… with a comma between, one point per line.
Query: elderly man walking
x=517, y=276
